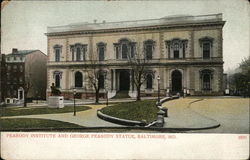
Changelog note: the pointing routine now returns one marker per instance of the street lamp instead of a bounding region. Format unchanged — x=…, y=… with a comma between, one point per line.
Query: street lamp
x=106, y=88
x=158, y=79
x=74, y=92
x=36, y=97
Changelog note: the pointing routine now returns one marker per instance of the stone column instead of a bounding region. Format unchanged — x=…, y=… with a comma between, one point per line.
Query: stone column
x=112, y=79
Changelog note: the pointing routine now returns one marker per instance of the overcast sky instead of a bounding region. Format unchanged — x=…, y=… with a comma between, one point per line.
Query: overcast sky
x=25, y=22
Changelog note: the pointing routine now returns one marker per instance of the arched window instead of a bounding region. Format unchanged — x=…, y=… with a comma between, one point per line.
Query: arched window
x=78, y=79
x=57, y=81
x=149, y=81
x=101, y=81
x=206, y=78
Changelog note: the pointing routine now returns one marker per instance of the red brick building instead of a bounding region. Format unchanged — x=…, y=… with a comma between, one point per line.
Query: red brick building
x=22, y=68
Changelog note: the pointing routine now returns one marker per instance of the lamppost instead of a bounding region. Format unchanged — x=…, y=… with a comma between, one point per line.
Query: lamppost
x=158, y=79
x=106, y=89
x=74, y=92
x=36, y=97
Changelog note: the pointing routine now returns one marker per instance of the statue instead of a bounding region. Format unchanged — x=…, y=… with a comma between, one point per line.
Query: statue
x=54, y=90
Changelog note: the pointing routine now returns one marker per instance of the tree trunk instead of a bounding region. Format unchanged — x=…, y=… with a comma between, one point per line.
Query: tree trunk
x=25, y=100
x=97, y=96
x=138, y=97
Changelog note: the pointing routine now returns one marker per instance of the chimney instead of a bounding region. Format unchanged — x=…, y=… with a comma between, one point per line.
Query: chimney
x=14, y=50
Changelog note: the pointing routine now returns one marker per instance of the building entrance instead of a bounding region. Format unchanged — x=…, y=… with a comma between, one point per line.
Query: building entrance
x=124, y=80
x=176, y=81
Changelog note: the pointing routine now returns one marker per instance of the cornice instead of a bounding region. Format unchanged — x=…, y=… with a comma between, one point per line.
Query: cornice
x=126, y=64
x=145, y=28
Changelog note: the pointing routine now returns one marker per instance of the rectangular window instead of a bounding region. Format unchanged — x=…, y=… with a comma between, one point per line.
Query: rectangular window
x=132, y=51
x=57, y=55
x=117, y=52
x=78, y=54
x=176, y=54
x=124, y=51
x=206, y=50
x=149, y=50
x=101, y=53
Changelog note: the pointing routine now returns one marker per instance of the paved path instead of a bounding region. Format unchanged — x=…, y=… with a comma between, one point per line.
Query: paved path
x=192, y=112
x=231, y=112
x=86, y=118
x=182, y=116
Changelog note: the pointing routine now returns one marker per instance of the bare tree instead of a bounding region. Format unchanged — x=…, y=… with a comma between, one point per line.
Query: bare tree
x=96, y=76
x=27, y=86
x=138, y=63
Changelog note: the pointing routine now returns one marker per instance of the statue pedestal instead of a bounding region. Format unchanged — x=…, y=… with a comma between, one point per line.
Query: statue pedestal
x=56, y=102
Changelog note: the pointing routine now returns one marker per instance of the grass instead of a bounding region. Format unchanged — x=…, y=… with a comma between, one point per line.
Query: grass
x=32, y=123
x=44, y=110
x=140, y=110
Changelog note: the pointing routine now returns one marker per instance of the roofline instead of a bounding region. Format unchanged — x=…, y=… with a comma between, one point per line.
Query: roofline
x=19, y=54
x=129, y=29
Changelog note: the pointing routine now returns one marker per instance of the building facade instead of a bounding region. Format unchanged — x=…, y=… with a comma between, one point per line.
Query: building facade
x=25, y=72
x=2, y=78
x=184, y=51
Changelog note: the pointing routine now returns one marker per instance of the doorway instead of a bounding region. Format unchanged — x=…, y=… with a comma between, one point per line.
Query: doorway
x=124, y=80
x=176, y=81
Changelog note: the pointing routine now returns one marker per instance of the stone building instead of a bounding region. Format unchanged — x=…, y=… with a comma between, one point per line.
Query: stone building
x=2, y=78
x=25, y=68
x=184, y=51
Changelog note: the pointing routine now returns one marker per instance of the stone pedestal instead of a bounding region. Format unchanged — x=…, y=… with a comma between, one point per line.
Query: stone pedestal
x=56, y=102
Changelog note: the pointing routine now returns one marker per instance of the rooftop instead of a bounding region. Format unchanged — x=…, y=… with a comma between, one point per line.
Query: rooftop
x=168, y=20
x=21, y=52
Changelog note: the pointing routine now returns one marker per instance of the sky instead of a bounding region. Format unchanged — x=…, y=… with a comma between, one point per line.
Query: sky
x=25, y=22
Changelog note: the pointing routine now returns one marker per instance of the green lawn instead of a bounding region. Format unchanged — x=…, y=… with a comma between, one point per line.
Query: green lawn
x=31, y=123
x=141, y=110
x=44, y=110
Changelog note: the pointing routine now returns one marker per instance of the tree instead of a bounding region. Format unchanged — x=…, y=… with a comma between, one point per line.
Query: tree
x=240, y=81
x=138, y=63
x=27, y=86
x=96, y=76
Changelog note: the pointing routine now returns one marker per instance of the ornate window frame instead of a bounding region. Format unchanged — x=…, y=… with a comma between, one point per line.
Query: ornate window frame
x=83, y=51
x=147, y=43
x=131, y=48
x=99, y=46
x=182, y=46
x=55, y=74
x=204, y=72
x=202, y=42
x=57, y=52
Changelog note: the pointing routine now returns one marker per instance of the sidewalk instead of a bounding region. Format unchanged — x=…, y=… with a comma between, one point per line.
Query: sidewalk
x=181, y=116
x=82, y=102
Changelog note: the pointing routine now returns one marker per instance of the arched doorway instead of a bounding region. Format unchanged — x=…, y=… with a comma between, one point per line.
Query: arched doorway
x=78, y=79
x=176, y=81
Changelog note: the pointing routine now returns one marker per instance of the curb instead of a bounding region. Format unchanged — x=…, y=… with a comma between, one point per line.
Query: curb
x=119, y=120
x=123, y=127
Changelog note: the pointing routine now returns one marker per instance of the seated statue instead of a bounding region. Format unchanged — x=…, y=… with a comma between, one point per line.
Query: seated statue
x=54, y=90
